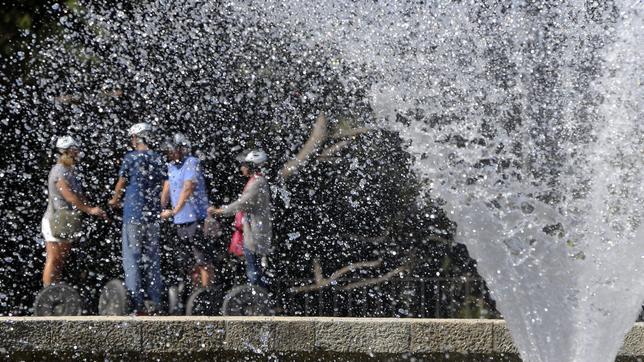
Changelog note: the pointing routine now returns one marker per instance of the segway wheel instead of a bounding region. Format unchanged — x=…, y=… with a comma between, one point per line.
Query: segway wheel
x=173, y=300
x=58, y=300
x=114, y=299
x=205, y=301
x=247, y=300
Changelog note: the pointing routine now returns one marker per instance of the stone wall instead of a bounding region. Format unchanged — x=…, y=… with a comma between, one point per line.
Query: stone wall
x=260, y=338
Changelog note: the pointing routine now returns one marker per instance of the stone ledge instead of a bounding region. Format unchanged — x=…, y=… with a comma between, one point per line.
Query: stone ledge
x=240, y=337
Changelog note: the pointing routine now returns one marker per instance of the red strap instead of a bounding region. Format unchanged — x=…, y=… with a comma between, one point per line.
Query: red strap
x=239, y=217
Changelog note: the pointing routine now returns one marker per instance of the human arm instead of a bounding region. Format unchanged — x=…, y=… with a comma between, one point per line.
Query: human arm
x=187, y=190
x=165, y=194
x=245, y=202
x=190, y=174
x=165, y=198
x=121, y=183
x=118, y=192
x=76, y=200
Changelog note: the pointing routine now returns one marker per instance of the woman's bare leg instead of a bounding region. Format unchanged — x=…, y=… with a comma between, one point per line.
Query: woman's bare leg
x=57, y=253
x=207, y=275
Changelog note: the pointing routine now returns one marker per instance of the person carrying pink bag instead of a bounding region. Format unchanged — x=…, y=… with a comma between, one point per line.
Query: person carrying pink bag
x=253, y=211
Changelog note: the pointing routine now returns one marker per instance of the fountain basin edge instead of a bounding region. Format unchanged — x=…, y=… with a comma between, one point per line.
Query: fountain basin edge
x=314, y=338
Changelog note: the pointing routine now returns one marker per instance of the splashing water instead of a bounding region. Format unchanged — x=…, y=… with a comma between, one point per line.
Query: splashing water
x=527, y=119
x=525, y=116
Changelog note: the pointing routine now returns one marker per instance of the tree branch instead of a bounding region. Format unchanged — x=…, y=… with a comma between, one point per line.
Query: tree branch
x=69, y=99
x=318, y=135
x=363, y=283
x=332, y=150
x=321, y=282
x=352, y=267
x=351, y=132
x=317, y=272
x=111, y=93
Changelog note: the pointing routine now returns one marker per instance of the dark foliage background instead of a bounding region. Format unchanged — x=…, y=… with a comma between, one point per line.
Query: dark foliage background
x=228, y=87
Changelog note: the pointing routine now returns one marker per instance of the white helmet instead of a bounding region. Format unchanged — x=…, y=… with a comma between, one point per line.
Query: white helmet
x=139, y=128
x=66, y=142
x=256, y=157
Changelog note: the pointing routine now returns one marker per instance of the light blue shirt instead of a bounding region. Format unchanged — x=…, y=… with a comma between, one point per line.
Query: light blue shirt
x=195, y=208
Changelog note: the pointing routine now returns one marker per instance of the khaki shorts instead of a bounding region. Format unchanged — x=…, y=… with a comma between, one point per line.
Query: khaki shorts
x=46, y=232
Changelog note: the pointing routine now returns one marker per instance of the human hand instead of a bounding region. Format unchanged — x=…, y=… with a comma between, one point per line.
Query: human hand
x=114, y=203
x=166, y=214
x=213, y=211
x=97, y=211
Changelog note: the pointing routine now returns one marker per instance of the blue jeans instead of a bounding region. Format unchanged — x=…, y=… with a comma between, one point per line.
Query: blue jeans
x=254, y=270
x=141, y=262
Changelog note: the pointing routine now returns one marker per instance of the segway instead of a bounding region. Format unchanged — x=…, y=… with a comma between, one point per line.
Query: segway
x=187, y=295
x=175, y=299
x=114, y=300
x=247, y=300
x=205, y=301
x=194, y=300
x=58, y=299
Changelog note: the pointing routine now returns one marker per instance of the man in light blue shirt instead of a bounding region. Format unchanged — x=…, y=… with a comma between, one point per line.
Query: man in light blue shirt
x=186, y=190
